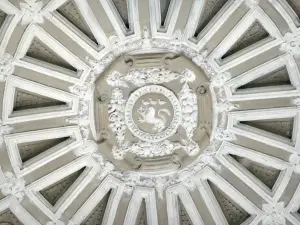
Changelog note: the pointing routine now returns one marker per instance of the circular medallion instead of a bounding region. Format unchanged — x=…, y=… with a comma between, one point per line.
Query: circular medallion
x=153, y=113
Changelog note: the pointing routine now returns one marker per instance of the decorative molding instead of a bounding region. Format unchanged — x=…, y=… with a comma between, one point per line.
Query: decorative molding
x=224, y=156
x=173, y=194
x=140, y=193
x=31, y=12
x=37, y=162
x=13, y=186
x=6, y=66
x=107, y=184
x=11, y=117
x=55, y=212
x=274, y=214
x=18, y=210
x=292, y=43
x=58, y=222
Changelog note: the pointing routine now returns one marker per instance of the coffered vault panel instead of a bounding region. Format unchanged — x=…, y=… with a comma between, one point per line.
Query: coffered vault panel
x=149, y=112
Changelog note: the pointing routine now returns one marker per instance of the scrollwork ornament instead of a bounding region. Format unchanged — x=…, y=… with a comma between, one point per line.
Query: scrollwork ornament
x=13, y=186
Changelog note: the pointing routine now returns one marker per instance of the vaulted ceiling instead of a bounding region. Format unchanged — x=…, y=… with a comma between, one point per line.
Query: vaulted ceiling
x=229, y=70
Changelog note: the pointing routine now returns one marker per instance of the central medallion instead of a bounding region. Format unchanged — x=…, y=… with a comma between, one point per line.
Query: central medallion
x=153, y=113
x=150, y=112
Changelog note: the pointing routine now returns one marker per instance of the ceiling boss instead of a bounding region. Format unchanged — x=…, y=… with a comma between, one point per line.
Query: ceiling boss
x=153, y=110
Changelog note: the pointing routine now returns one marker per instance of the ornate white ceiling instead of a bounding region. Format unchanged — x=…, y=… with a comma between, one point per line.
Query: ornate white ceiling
x=149, y=112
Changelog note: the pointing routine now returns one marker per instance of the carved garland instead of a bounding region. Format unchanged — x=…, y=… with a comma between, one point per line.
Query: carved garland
x=217, y=81
x=151, y=145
